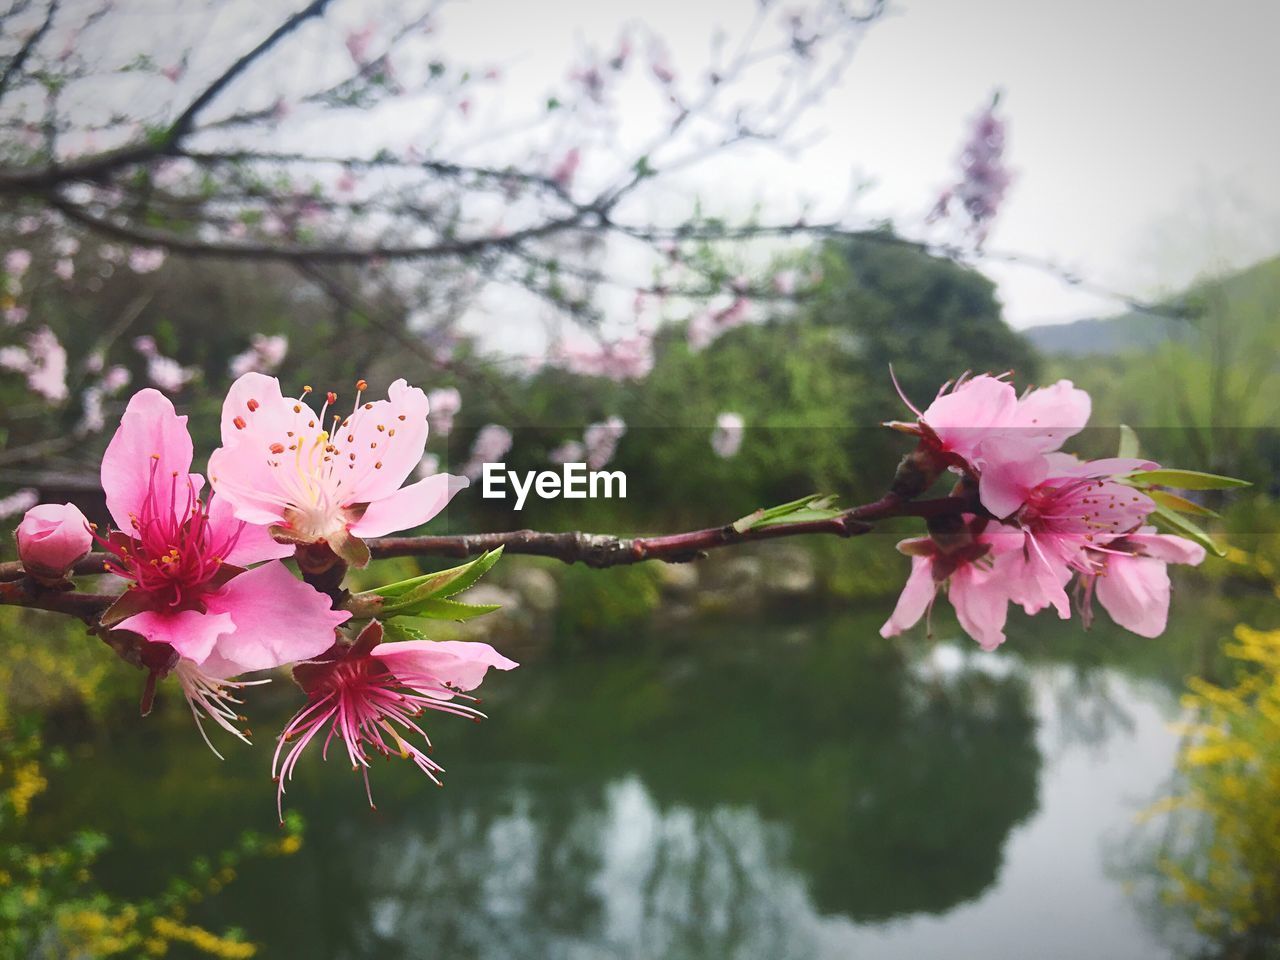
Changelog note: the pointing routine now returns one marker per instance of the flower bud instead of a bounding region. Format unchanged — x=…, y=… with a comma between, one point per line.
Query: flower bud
x=52, y=537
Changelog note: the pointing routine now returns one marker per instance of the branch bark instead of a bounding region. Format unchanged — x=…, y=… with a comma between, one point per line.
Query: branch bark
x=593, y=549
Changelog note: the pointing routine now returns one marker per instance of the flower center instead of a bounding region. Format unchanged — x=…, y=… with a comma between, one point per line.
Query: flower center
x=321, y=468
x=171, y=552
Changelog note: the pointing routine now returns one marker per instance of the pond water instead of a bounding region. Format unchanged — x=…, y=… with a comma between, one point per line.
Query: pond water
x=773, y=790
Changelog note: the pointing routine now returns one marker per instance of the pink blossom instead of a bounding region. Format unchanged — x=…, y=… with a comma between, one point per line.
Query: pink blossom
x=565, y=170
x=1072, y=508
x=279, y=465
x=93, y=419
x=173, y=73
x=16, y=262
x=600, y=441
x=169, y=375
x=370, y=696
x=15, y=315
x=346, y=182
x=182, y=558
x=973, y=585
x=716, y=320
x=443, y=405
x=490, y=445
x=984, y=175
x=265, y=354
x=47, y=368
x=571, y=451
x=630, y=358
x=115, y=379
x=146, y=259
x=358, y=43
x=52, y=537
x=15, y=359
x=28, y=225
x=726, y=438
x=984, y=408
x=65, y=269
x=428, y=465
x=1132, y=579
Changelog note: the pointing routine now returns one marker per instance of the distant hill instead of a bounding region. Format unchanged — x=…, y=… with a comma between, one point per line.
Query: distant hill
x=1134, y=331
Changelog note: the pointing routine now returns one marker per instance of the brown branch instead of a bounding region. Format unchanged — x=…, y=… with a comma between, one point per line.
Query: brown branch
x=190, y=245
x=593, y=549
x=19, y=59
x=100, y=165
x=605, y=550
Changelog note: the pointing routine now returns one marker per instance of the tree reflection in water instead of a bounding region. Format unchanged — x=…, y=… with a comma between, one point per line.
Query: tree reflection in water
x=718, y=801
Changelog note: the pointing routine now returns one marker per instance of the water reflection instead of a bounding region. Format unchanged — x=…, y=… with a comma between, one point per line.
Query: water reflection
x=758, y=794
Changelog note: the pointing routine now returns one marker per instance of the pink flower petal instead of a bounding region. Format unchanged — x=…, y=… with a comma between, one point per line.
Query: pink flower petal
x=151, y=437
x=278, y=619
x=982, y=604
x=968, y=414
x=192, y=633
x=1010, y=470
x=409, y=506
x=917, y=594
x=253, y=543
x=457, y=663
x=247, y=484
x=1166, y=547
x=1135, y=591
x=1050, y=415
x=388, y=437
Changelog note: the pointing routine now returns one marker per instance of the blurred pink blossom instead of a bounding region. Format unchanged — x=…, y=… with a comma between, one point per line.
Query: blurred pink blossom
x=264, y=355
x=726, y=438
x=444, y=404
x=16, y=262
x=491, y=444
x=600, y=441
x=571, y=451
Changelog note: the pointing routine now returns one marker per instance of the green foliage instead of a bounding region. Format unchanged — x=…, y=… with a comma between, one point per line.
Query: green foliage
x=602, y=605
x=52, y=905
x=425, y=596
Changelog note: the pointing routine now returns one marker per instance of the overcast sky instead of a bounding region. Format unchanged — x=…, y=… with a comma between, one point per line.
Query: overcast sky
x=1144, y=135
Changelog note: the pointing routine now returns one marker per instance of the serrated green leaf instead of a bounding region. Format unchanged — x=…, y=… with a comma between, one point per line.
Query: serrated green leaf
x=1183, y=527
x=1187, y=479
x=1180, y=504
x=451, y=610
x=442, y=583
x=1129, y=446
x=398, y=631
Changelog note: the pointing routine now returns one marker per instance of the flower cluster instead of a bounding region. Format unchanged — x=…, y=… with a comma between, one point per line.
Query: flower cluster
x=206, y=597
x=1041, y=517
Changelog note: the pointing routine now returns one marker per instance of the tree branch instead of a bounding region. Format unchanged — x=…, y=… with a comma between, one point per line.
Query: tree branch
x=593, y=549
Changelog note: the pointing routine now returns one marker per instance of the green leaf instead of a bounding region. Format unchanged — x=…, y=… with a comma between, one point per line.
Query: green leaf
x=407, y=596
x=1128, y=442
x=1181, y=504
x=1183, y=527
x=444, y=583
x=452, y=610
x=816, y=506
x=398, y=631
x=1186, y=479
